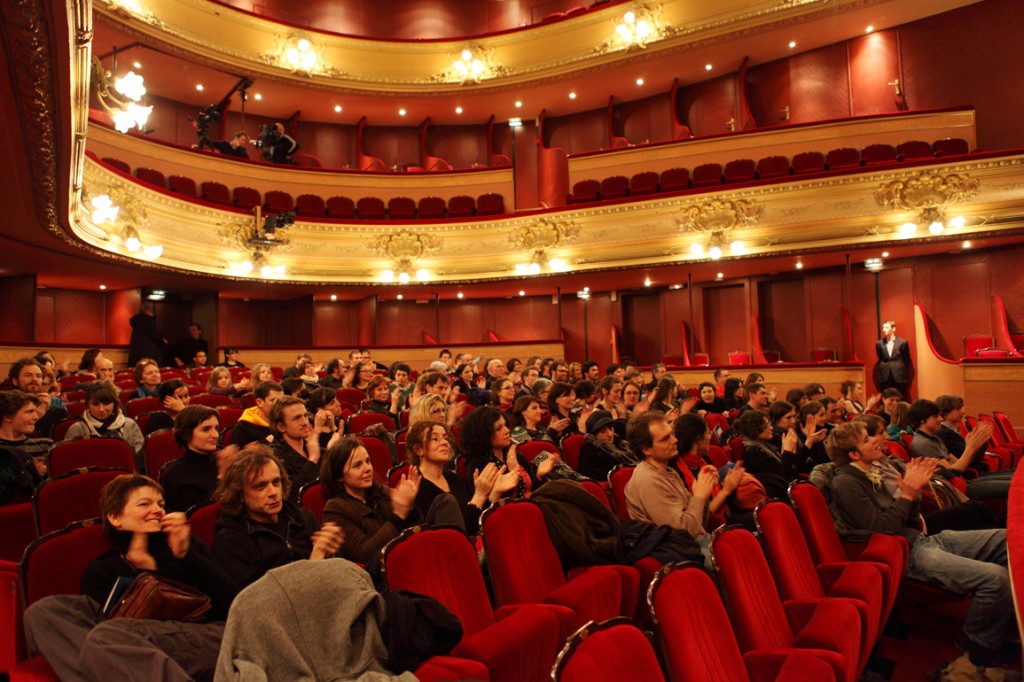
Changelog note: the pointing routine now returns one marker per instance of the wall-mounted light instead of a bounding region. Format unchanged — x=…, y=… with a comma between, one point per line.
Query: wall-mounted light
x=300, y=54
x=120, y=97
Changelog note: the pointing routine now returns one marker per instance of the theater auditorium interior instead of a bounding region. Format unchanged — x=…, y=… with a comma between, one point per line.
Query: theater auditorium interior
x=754, y=186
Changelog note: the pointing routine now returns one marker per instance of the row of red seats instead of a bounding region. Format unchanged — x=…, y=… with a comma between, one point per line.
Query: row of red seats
x=769, y=168
x=314, y=206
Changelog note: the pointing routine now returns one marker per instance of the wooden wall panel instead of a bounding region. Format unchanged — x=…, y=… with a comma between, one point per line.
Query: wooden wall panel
x=19, y=320
x=965, y=285
x=824, y=296
x=641, y=329
x=596, y=344
x=334, y=323
x=726, y=320
x=460, y=146
x=874, y=64
x=781, y=311
x=707, y=107
x=675, y=309
x=645, y=120
x=402, y=323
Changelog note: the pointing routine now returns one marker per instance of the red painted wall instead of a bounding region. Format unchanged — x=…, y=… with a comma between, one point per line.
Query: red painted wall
x=782, y=314
x=726, y=320
x=334, y=323
x=707, y=107
x=874, y=64
x=642, y=327
x=20, y=320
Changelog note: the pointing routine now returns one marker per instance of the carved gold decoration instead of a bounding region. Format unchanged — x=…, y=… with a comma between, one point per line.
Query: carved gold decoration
x=298, y=54
x=404, y=248
x=472, y=64
x=638, y=26
x=132, y=9
x=718, y=215
x=546, y=233
x=926, y=190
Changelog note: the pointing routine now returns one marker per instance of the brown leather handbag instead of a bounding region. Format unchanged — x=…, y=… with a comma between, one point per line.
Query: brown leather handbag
x=155, y=597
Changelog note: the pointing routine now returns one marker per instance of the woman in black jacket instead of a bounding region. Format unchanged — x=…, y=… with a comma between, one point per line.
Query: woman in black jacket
x=72, y=632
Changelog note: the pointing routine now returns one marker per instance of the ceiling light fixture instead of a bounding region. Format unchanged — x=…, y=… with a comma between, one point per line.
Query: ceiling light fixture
x=647, y=282
x=799, y=265
x=459, y=295
x=967, y=244
x=572, y=95
x=458, y=110
x=401, y=112
x=257, y=97
x=120, y=98
x=199, y=87
x=885, y=254
x=300, y=54
x=337, y=108
x=519, y=104
x=639, y=81
x=792, y=44
x=869, y=29
x=399, y=297
x=638, y=27
x=103, y=287
x=334, y=297
x=707, y=67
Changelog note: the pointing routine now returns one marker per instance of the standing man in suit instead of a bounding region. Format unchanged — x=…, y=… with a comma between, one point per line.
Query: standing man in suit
x=893, y=360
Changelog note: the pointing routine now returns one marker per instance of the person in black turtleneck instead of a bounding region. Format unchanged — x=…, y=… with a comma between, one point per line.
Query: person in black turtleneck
x=192, y=478
x=74, y=636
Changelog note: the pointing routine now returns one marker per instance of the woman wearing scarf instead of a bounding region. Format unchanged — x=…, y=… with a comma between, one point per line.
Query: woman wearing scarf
x=103, y=418
x=602, y=449
x=774, y=468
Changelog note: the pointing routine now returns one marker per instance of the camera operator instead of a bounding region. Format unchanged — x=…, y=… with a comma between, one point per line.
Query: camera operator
x=277, y=146
x=237, y=146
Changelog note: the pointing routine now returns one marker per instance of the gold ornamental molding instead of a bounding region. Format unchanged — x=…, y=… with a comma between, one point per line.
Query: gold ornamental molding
x=404, y=248
x=472, y=64
x=637, y=27
x=718, y=215
x=546, y=233
x=927, y=189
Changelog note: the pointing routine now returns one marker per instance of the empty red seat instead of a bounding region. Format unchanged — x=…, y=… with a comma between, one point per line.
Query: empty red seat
x=707, y=175
x=738, y=357
x=772, y=167
x=823, y=355
x=461, y=206
x=153, y=177
x=401, y=208
x=370, y=208
x=182, y=185
x=216, y=192
x=772, y=356
x=118, y=164
x=584, y=191
x=613, y=650
x=276, y=201
x=247, y=198
x=675, y=179
x=615, y=187
x=309, y=205
x=951, y=146
x=311, y=497
x=341, y=208
x=73, y=496
x=846, y=157
x=111, y=453
x=643, y=183
x=915, y=149
x=491, y=203
x=740, y=170
x=875, y=154
x=808, y=162
x=161, y=448
x=617, y=480
x=431, y=208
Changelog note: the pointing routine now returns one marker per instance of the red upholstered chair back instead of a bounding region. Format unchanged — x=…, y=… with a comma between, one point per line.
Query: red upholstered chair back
x=613, y=650
x=380, y=458
x=202, y=519
x=897, y=450
x=597, y=491
x=773, y=167
x=816, y=521
x=309, y=205
x=54, y=563
x=531, y=449
x=153, y=177
x=182, y=185
x=617, y=480
x=70, y=497
x=615, y=187
x=276, y=201
x=879, y=153
x=246, y=198
x=792, y=566
x=228, y=416
x=431, y=208
x=693, y=628
x=675, y=179
x=523, y=563
x=351, y=395
x=110, y=453
x=212, y=400
x=845, y=157
x=1015, y=539
x=216, y=192
x=571, y=449
x=951, y=146
x=61, y=428
x=755, y=609
x=915, y=149
x=719, y=458
x=401, y=208
x=461, y=206
x=585, y=190
x=808, y=162
x=740, y=170
x=707, y=175
x=739, y=357
x=1006, y=426
x=976, y=342
x=440, y=563
x=137, y=406
x=358, y=423
x=160, y=449
x=823, y=355
x=341, y=208
x=643, y=183
x=396, y=472
x=490, y=204
x=311, y=497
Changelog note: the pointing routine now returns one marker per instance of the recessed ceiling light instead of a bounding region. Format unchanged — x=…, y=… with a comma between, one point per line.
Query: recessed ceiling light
x=869, y=29
x=522, y=293
x=137, y=65
x=572, y=95
x=885, y=254
x=103, y=287
x=967, y=244
x=334, y=297
x=199, y=87
x=647, y=282
x=519, y=104
x=460, y=295
x=257, y=97
x=401, y=112
x=639, y=81
x=337, y=108
x=707, y=67
x=399, y=297
x=458, y=110
x=720, y=275
x=792, y=44
x=799, y=265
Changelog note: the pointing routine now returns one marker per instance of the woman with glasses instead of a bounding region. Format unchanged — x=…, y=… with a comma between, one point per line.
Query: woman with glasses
x=503, y=395
x=363, y=375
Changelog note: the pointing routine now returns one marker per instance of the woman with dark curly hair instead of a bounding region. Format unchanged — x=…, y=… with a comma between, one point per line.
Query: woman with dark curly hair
x=486, y=440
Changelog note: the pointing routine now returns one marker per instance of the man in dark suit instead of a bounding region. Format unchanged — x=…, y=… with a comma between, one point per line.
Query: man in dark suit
x=146, y=340
x=893, y=360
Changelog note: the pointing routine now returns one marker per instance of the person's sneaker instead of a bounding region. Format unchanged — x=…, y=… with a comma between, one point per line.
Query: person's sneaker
x=963, y=669
x=1008, y=655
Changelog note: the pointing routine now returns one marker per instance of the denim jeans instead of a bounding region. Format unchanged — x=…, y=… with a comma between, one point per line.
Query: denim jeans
x=965, y=561
x=991, y=485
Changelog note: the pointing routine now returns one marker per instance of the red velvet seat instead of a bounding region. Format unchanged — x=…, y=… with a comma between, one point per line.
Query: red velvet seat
x=110, y=453
x=675, y=179
x=976, y=342
x=276, y=201
x=829, y=627
x=153, y=177
x=951, y=146
x=17, y=530
x=701, y=359
x=354, y=396
x=738, y=357
x=311, y=497
x=617, y=480
x=60, y=429
x=643, y=183
x=823, y=355
x=698, y=642
x=228, y=416
x=216, y=192
x=213, y=400
x=73, y=496
x=771, y=355
x=358, y=423
x=247, y=198
x=706, y=175
x=796, y=576
x=718, y=423
x=915, y=149
x=808, y=162
x=431, y=208
x=531, y=448
x=341, y=208
x=401, y=208
x=740, y=170
x=461, y=206
x=615, y=187
x=491, y=203
x=1006, y=427
x=571, y=449
x=136, y=406
x=845, y=157
x=525, y=568
x=370, y=208
x=160, y=449
x=772, y=167
x=118, y=164
x=202, y=519
x=613, y=650
x=584, y=191
x=182, y=185
x=516, y=643
x=380, y=458
x=875, y=154
x=310, y=206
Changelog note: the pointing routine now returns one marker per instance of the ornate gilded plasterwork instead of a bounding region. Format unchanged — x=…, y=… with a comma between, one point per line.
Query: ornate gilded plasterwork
x=471, y=64
x=546, y=233
x=927, y=189
x=405, y=248
x=718, y=214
